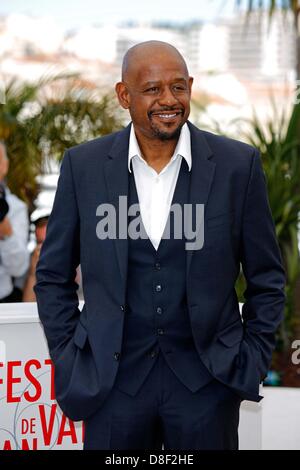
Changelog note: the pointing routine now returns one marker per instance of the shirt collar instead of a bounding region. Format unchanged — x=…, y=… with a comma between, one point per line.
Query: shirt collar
x=183, y=146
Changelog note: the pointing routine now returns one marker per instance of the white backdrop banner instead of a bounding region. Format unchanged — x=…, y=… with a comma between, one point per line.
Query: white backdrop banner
x=30, y=418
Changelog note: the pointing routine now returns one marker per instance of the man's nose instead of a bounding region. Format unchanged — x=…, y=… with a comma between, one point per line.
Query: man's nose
x=167, y=98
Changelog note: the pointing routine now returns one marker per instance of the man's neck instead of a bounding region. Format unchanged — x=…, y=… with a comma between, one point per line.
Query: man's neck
x=156, y=153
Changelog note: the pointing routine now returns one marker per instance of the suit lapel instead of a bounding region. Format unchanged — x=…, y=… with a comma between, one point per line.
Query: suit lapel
x=116, y=174
x=202, y=174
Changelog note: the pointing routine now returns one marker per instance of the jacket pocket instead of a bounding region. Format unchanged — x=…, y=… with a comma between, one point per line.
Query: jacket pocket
x=222, y=219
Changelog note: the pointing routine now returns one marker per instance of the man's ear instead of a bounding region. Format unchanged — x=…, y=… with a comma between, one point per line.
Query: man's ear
x=123, y=95
x=191, y=79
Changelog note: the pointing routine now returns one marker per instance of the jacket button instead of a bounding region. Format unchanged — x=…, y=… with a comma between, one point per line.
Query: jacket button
x=158, y=288
x=153, y=354
x=117, y=356
x=122, y=307
x=160, y=331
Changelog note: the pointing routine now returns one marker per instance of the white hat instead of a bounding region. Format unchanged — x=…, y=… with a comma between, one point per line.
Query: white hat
x=40, y=214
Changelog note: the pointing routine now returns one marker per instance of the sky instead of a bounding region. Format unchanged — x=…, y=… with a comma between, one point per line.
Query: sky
x=74, y=13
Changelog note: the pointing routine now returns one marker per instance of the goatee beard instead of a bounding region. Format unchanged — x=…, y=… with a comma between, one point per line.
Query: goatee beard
x=165, y=136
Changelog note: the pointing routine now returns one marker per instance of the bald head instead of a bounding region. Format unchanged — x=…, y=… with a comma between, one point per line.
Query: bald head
x=144, y=52
x=156, y=89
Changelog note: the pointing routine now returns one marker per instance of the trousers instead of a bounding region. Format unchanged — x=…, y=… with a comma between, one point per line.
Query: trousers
x=165, y=414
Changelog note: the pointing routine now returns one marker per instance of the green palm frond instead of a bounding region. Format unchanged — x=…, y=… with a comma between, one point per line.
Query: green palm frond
x=41, y=120
x=271, y=7
x=278, y=140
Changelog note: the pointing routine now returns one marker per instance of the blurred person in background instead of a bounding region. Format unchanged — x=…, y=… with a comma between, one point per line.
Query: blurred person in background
x=14, y=255
x=40, y=219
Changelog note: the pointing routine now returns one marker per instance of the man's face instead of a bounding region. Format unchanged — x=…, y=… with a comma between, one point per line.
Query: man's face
x=157, y=93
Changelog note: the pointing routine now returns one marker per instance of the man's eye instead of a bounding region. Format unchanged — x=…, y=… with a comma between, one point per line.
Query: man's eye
x=179, y=87
x=152, y=89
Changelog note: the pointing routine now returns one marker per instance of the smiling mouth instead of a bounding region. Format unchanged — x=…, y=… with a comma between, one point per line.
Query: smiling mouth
x=167, y=116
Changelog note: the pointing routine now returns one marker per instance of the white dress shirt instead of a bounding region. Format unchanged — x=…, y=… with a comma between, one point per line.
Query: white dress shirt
x=14, y=256
x=155, y=190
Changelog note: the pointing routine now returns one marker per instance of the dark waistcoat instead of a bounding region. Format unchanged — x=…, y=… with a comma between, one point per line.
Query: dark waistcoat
x=156, y=315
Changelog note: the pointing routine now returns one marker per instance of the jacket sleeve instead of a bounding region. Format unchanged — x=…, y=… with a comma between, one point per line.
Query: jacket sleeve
x=262, y=266
x=55, y=288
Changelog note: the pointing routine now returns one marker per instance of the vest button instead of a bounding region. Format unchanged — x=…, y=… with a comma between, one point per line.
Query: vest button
x=157, y=266
x=122, y=307
x=117, y=356
x=153, y=354
x=158, y=288
x=160, y=331
x=159, y=310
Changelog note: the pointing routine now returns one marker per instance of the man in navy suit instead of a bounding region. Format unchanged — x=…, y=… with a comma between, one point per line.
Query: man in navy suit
x=159, y=355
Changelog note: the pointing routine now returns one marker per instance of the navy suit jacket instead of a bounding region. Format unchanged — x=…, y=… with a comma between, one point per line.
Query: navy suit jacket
x=85, y=347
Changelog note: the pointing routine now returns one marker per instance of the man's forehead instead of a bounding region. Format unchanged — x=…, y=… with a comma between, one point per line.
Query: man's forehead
x=158, y=71
x=151, y=58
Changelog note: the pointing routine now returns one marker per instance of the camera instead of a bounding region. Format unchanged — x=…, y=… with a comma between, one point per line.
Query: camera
x=3, y=203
